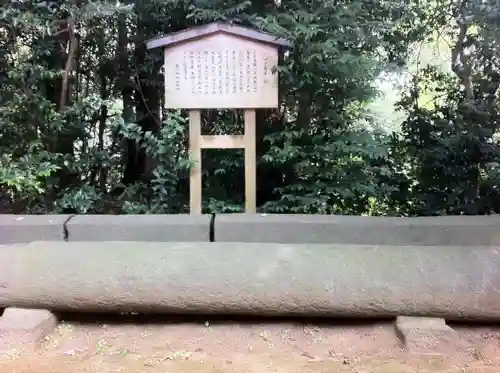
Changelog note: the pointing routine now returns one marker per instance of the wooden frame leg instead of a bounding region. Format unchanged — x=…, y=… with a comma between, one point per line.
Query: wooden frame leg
x=250, y=163
x=195, y=185
x=197, y=142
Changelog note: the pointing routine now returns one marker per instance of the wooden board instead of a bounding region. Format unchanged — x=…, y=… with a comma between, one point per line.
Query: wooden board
x=221, y=71
x=222, y=142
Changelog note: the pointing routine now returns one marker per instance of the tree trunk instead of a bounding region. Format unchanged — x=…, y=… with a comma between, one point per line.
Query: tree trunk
x=127, y=91
x=147, y=104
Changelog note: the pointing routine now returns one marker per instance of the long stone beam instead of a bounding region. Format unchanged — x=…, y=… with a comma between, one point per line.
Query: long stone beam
x=29, y=228
x=359, y=230
x=282, y=228
x=456, y=283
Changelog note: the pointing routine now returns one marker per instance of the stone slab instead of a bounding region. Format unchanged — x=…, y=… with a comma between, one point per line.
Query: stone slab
x=425, y=334
x=359, y=230
x=140, y=228
x=25, y=329
x=456, y=283
x=28, y=228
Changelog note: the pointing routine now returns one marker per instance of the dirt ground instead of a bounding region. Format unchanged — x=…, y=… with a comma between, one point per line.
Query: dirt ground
x=215, y=346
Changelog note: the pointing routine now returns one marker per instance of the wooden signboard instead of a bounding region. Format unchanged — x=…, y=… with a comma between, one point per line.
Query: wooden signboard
x=220, y=66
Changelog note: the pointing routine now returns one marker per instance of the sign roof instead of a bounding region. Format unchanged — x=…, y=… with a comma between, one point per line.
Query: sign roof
x=213, y=28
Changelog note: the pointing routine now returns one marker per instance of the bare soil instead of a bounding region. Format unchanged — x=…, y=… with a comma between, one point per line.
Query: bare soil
x=214, y=346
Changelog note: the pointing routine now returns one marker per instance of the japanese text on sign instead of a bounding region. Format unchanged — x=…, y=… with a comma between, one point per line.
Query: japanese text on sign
x=216, y=72
x=221, y=73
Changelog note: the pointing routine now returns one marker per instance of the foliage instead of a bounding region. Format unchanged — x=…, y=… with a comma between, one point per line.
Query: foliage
x=451, y=146
x=82, y=128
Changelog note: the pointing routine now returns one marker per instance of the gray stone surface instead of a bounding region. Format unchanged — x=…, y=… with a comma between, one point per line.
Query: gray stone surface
x=24, y=329
x=424, y=334
x=359, y=230
x=28, y=228
x=143, y=228
x=455, y=283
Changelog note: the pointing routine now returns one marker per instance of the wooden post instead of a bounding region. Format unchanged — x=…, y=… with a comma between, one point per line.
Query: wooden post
x=250, y=163
x=198, y=142
x=195, y=155
x=197, y=82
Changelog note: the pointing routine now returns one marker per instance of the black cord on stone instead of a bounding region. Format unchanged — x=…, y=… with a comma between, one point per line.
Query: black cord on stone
x=212, y=228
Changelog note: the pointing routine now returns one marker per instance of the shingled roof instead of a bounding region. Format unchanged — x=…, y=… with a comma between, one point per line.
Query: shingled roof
x=213, y=28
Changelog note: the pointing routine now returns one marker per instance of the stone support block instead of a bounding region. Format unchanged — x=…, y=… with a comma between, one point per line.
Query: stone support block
x=25, y=329
x=425, y=334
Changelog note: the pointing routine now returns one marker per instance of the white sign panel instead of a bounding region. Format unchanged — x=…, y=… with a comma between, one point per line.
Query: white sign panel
x=221, y=71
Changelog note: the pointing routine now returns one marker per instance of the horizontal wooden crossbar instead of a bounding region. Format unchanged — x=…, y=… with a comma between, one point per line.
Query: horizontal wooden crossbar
x=222, y=142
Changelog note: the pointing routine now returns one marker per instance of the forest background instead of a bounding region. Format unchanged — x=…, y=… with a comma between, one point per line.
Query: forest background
x=389, y=107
